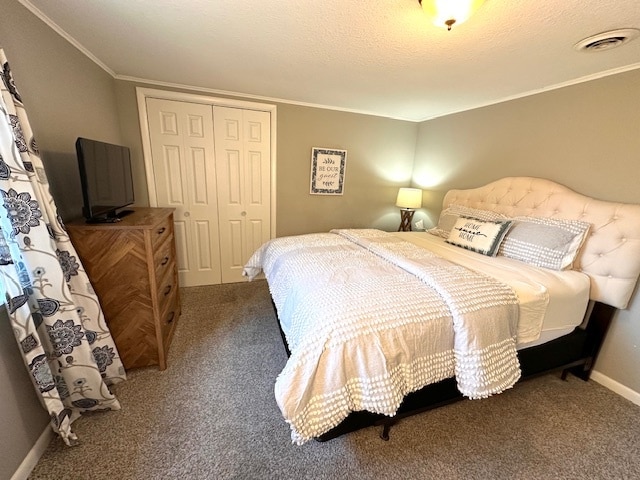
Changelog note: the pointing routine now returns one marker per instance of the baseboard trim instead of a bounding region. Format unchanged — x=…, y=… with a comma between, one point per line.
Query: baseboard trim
x=30, y=461
x=616, y=387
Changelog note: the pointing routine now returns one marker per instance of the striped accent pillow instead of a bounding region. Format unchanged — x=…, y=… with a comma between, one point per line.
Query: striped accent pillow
x=545, y=242
x=450, y=215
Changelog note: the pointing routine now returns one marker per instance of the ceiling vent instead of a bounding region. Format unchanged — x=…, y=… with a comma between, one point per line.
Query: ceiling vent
x=607, y=40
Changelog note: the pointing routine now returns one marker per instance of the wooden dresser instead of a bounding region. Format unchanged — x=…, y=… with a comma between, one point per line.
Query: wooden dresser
x=132, y=267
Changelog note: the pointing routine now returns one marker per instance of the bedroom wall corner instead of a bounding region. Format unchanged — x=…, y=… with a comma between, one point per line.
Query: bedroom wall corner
x=380, y=153
x=617, y=365
x=584, y=136
x=131, y=137
x=66, y=96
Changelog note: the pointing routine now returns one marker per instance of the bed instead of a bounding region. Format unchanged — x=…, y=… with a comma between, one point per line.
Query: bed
x=520, y=277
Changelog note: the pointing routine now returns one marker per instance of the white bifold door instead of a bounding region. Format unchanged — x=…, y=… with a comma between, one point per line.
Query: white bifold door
x=213, y=165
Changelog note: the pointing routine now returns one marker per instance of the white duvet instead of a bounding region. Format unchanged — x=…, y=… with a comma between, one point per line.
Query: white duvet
x=370, y=318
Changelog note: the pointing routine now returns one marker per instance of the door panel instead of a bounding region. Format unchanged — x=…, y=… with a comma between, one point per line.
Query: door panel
x=236, y=237
x=184, y=173
x=174, y=183
x=196, y=126
x=255, y=234
x=180, y=233
x=200, y=195
x=242, y=152
x=258, y=178
x=255, y=178
x=203, y=242
x=168, y=123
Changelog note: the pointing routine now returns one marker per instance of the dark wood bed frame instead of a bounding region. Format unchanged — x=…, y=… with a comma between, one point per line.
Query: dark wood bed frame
x=573, y=353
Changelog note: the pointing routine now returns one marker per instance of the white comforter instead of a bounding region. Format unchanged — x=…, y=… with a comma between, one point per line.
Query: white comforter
x=371, y=318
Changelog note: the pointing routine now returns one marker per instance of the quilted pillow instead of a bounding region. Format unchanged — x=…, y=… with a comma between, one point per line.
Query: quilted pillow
x=478, y=236
x=450, y=215
x=545, y=242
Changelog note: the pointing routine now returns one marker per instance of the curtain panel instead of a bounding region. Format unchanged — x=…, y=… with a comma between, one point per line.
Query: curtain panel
x=54, y=312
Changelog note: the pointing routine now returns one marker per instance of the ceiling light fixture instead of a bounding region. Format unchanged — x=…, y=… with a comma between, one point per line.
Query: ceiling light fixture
x=445, y=13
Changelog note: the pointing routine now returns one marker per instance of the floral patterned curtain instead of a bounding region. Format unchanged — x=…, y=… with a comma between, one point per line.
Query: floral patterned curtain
x=54, y=312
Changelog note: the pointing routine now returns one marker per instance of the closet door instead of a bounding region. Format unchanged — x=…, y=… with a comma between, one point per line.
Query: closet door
x=243, y=173
x=182, y=150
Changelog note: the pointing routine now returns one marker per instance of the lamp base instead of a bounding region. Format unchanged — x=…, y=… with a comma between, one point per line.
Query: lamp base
x=406, y=216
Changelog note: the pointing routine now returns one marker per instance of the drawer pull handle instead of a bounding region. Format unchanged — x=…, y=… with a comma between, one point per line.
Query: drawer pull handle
x=161, y=230
x=165, y=260
x=170, y=317
x=167, y=289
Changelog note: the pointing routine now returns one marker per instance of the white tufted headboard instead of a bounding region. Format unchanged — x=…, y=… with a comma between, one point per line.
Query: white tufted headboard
x=611, y=252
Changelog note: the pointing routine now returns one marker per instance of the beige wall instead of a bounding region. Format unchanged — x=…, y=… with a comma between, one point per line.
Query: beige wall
x=66, y=96
x=379, y=160
x=586, y=136
x=22, y=418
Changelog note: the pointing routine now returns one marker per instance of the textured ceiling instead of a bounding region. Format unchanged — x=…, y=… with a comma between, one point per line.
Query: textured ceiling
x=381, y=57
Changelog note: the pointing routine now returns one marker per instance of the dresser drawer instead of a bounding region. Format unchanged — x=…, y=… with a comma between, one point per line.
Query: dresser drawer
x=169, y=317
x=161, y=232
x=163, y=259
x=167, y=286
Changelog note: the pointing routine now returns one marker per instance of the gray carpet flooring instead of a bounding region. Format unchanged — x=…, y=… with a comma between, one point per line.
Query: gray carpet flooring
x=212, y=415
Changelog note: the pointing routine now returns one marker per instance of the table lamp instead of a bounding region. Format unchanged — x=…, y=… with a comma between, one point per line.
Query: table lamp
x=408, y=200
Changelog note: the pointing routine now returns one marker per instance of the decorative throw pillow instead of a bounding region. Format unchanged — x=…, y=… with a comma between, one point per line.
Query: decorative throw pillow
x=545, y=242
x=479, y=236
x=450, y=215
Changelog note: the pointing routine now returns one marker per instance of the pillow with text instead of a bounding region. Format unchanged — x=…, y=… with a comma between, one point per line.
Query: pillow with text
x=478, y=235
x=450, y=215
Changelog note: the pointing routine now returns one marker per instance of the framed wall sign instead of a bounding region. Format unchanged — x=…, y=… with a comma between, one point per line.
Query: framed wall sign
x=327, y=171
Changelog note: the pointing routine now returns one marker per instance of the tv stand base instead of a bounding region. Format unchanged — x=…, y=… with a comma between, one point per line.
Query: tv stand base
x=110, y=218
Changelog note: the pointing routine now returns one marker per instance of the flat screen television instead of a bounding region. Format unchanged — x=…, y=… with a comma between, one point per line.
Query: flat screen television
x=105, y=175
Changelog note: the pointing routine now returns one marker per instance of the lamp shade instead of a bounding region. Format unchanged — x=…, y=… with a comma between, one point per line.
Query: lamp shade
x=409, y=198
x=445, y=13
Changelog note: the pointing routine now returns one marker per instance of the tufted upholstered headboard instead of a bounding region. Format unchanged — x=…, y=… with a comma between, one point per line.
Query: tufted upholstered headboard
x=611, y=252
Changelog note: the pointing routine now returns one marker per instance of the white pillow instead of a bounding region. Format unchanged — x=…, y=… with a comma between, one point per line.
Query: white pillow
x=545, y=242
x=479, y=236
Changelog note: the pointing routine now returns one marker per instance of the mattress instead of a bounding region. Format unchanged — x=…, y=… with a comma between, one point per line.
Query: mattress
x=552, y=303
